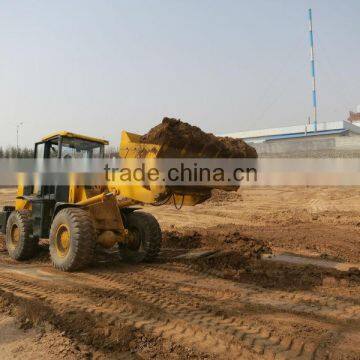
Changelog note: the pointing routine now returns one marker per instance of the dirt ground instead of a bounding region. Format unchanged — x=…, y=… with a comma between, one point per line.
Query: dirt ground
x=210, y=295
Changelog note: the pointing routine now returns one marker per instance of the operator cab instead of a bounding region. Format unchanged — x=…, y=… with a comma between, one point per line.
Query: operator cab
x=45, y=198
x=65, y=145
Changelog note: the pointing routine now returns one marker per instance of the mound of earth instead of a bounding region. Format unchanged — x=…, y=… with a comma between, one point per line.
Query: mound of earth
x=181, y=135
x=220, y=237
x=221, y=197
x=231, y=250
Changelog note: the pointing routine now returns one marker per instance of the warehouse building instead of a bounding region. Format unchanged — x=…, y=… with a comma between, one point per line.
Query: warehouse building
x=332, y=139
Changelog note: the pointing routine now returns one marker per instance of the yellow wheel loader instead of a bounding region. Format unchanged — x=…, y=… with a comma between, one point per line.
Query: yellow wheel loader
x=76, y=218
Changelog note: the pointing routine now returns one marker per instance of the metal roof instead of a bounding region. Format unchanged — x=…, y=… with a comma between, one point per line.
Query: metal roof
x=298, y=131
x=318, y=133
x=74, y=136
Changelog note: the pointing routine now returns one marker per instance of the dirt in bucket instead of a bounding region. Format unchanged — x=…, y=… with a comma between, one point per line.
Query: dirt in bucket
x=194, y=142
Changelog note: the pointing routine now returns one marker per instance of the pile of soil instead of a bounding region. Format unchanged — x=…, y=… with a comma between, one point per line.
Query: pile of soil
x=188, y=239
x=221, y=197
x=180, y=135
x=220, y=237
x=232, y=255
x=234, y=266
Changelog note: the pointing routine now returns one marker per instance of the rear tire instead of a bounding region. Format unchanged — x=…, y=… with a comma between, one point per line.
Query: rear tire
x=145, y=238
x=72, y=239
x=20, y=243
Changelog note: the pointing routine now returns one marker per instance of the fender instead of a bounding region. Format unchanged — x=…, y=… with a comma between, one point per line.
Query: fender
x=62, y=206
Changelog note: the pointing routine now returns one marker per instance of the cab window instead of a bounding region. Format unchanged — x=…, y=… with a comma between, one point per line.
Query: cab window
x=78, y=149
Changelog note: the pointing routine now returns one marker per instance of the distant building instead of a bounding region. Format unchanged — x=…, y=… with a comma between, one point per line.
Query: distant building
x=332, y=139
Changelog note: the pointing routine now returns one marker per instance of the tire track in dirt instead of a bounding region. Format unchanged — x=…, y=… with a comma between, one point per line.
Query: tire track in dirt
x=187, y=307
x=254, y=337
x=299, y=303
x=178, y=323
x=223, y=290
x=258, y=339
x=162, y=324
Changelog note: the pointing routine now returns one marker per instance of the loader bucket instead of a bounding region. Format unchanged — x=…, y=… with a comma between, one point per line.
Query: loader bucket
x=132, y=147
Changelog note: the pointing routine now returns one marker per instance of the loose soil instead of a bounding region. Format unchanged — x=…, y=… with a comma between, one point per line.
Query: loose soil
x=20, y=340
x=221, y=197
x=209, y=296
x=179, y=135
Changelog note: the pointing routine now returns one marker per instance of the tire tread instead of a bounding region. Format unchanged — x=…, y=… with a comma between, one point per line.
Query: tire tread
x=152, y=231
x=27, y=242
x=83, y=238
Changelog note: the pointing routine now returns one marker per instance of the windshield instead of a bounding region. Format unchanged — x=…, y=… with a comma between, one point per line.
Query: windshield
x=78, y=148
x=72, y=148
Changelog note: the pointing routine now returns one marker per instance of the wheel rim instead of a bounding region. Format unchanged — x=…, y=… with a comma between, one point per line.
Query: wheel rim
x=62, y=240
x=14, y=236
x=134, y=242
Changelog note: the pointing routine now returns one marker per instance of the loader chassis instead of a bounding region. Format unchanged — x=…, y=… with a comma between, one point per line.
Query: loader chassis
x=76, y=218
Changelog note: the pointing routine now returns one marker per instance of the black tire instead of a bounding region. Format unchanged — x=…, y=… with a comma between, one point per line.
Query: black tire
x=77, y=226
x=146, y=234
x=20, y=243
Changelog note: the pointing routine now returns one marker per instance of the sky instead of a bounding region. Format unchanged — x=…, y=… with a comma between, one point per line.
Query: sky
x=98, y=67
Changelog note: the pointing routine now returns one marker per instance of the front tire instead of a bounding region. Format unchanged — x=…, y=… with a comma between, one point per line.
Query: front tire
x=72, y=239
x=20, y=243
x=144, y=238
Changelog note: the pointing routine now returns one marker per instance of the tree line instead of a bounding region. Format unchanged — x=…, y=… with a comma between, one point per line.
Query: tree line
x=12, y=152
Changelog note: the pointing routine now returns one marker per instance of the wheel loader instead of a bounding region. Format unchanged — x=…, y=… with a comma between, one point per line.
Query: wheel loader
x=77, y=218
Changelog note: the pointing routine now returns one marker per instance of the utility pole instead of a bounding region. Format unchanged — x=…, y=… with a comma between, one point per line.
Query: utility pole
x=17, y=136
x=312, y=60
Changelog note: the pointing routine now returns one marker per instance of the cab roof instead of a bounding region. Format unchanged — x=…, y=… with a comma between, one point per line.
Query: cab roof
x=74, y=136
